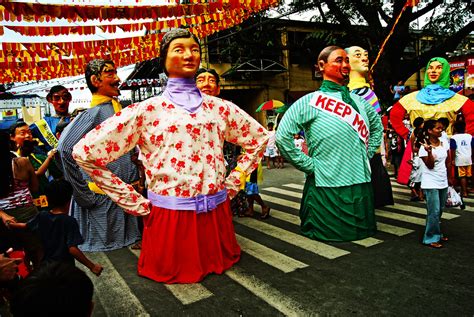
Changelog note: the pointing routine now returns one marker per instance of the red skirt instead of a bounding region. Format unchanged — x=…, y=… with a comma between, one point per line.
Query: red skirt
x=184, y=247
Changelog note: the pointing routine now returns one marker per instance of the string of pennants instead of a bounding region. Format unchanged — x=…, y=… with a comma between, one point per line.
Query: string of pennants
x=82, y=86
x=42, y=61
x=21, y=11
x=111, y=28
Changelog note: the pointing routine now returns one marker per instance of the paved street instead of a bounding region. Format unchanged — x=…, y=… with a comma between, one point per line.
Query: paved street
x=284, y=273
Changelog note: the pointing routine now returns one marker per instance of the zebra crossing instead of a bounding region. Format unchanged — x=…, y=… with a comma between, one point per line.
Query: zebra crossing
x=269, y=243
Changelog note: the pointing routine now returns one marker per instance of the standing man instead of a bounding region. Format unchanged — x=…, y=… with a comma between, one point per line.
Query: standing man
x=103, y=224
x=359, y=60
x=343, y=132
x=45, y=129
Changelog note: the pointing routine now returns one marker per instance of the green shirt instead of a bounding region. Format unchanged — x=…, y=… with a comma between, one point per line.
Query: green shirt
x=336, y=155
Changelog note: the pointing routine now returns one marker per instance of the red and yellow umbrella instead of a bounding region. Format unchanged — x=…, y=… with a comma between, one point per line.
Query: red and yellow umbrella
x=270, y=105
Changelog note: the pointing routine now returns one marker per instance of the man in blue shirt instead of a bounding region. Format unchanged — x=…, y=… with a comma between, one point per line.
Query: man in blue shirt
x=45, y=129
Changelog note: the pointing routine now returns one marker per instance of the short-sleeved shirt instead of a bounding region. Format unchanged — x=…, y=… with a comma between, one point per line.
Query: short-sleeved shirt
x=462, y=143
x=58, y=232
x=437, y=177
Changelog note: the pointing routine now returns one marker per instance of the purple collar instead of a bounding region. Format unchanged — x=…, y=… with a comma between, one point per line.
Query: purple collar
x=183, y=93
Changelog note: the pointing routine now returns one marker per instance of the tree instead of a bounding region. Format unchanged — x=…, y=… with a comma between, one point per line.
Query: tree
x=448, y=22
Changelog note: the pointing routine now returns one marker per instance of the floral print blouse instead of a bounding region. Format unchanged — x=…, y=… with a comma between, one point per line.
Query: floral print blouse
x=182, y=152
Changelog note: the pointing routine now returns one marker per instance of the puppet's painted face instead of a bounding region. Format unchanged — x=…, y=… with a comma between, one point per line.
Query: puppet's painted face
x=359, y=59
x=434, y=71
x=207, y=83
x=337, y=68
x=108, y=81
x=183, y=58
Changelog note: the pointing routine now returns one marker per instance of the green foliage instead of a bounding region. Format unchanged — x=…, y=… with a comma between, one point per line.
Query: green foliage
x=253, y=39
x=455, y=15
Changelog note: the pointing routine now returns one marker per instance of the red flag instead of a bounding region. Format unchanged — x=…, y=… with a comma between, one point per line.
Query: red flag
x=412, y=3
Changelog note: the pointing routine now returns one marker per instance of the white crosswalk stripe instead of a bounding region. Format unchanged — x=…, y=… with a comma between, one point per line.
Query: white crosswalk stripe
x=400, y=217
x=297, y=240
x=397, y=188
x=286, y=305
x=422, y=211
x=368, y=242
x=281, y=201
x=185, y=293
x=284, y=192
x=380, y=226
x=110, y=286
x=271, y=257
x=398, y=231
x=296, y=221
x=295, y=186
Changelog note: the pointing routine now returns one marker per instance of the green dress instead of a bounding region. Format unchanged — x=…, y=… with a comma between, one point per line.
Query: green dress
x=338, y=202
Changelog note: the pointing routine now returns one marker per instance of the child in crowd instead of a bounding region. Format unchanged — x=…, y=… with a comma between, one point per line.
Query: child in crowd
x=434, y=180
x=299, y=141
x=461, y=144
x=415, y=175
x=253, y=194
x=271, y=149
x=58, y=231
x=397, y=147
x=244, y=208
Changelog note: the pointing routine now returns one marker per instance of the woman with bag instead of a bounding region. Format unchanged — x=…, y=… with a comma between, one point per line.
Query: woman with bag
x=434, y=181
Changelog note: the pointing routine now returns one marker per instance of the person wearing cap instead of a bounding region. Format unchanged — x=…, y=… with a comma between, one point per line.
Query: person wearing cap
x=188, y=230
x=102, y=222
x=45, y=129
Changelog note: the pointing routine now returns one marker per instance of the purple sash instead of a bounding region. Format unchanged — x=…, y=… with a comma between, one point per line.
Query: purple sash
x=200, y=203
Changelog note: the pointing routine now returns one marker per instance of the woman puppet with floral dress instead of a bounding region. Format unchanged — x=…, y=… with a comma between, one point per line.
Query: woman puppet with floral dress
x=188, y=231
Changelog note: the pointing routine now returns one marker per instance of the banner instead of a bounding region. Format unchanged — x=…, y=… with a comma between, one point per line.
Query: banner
x=9, y=114
x=456, y=76
x=469, y=83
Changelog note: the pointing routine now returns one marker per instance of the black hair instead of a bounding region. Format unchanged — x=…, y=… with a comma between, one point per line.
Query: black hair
x=54, y=90
x=323, y=56
x=173, y=34
x=460, y=127
x=95, y=67
x=418, y=122
x=54, y=289
x=58, y=192
x=270, y=125
x=423, y=136
x=6, y=169
x=210, y=71
x=15, y=126
x=444, y=121
x=418, y=131
x=429, y=125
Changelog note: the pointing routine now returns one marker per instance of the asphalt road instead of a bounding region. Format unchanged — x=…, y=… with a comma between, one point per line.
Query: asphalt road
x=284, y=273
